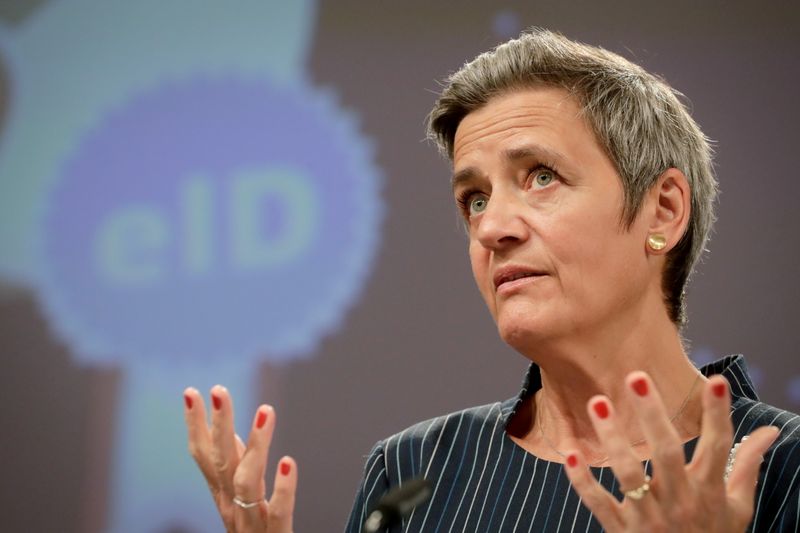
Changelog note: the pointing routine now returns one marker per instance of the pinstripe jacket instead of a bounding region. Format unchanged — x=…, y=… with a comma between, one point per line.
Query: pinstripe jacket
x=483, y=482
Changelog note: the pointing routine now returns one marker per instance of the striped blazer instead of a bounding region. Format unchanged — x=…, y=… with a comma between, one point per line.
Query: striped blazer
x=483, y=482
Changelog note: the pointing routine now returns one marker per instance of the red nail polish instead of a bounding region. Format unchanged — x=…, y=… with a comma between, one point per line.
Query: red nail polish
x=718, y=389
x=640, y=386
x=188, y=400
x=601, y=409
x=572, y=460
x=217, y=401
x=261, y=419
x=285, y=469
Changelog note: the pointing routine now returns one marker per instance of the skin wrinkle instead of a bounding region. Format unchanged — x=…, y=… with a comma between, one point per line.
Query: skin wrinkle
x=600, y=305
x=463, y=177
x=524, y=113
x=642, y=124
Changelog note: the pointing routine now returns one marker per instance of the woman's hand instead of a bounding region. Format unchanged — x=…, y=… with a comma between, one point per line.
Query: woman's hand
x=235, y=472
x=680, y=497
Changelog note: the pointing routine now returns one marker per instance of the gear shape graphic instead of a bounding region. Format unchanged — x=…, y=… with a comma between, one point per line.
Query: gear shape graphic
x=149, y=253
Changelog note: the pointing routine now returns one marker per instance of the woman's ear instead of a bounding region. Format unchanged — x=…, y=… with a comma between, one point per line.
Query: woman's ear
x=670, y=200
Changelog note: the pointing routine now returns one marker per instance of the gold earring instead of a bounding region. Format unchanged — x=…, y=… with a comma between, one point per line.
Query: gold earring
x=657, y=242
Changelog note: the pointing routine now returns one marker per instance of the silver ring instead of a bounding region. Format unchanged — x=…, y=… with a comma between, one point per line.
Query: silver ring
x=245, y=505
x=639, y=492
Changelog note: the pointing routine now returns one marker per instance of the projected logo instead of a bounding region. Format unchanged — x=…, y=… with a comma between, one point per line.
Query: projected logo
x=211, y=216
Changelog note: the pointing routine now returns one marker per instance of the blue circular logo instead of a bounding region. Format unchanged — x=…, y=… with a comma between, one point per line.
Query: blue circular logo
x=211, y=217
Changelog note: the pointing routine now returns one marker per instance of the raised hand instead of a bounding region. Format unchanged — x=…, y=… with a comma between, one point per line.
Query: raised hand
x=680, y=496
x=235, y=471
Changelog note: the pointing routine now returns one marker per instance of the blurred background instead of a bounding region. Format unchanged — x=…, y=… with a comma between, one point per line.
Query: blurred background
x=195, y=193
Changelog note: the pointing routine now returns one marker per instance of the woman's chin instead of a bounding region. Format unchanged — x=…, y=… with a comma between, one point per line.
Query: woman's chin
x=523, y=332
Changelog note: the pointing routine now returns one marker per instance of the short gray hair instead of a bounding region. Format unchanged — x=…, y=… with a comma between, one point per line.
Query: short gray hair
x=638, y=119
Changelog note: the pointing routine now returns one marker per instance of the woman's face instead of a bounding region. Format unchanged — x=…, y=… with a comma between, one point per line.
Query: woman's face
x=543, y=205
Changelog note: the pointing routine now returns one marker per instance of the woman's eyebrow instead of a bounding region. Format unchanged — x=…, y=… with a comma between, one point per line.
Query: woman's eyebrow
x=529, y=151
x=533, y=151
x=464, y=176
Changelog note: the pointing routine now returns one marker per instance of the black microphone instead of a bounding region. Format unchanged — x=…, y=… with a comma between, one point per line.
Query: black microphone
x=397, y=504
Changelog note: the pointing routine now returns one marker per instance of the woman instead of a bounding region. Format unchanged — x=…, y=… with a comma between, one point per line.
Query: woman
x=588, y=196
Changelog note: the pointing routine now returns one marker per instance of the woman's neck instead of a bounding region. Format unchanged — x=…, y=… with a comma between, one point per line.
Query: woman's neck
x=556, y=418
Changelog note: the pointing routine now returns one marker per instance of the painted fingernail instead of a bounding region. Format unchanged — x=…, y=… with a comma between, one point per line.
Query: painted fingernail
x=285, y=469
x=188, y=400
x=217, y=401
x=639, y=386
x=601, y=409
x=718, y=389
x=261, y=419
x=572, y=460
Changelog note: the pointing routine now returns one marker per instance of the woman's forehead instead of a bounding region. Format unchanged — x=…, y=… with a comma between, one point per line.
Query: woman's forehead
x=506, y=114
x=547, y=120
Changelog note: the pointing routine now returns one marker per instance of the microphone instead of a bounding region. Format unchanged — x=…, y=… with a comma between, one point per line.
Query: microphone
x=397, y=504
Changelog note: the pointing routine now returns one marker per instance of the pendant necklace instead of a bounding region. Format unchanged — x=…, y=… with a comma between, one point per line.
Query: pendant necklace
x=633, y=444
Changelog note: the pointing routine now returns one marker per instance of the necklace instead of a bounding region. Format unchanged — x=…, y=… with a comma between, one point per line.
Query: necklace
x=633, y=444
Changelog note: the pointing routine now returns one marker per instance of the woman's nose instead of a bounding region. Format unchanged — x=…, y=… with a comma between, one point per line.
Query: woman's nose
x=502, y=223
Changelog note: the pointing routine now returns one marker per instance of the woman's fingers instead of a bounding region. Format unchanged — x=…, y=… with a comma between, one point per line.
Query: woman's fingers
x=716, y=436
x=199, y=436
x=235, y=471
x=223, y=441
x=281, y=505
x=248, y=481
x=624, y=463
x=626, y=466
x=666, y=448
x=742, y=481
x=240, y=446
x=678, y=494
x=593, y=495
x=249, y=478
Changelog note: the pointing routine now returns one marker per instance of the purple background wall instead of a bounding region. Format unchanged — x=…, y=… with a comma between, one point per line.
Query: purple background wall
x=417, y=319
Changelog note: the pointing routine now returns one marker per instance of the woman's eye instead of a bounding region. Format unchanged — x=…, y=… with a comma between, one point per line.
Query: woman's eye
x=542, y=178
x=477, y=204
